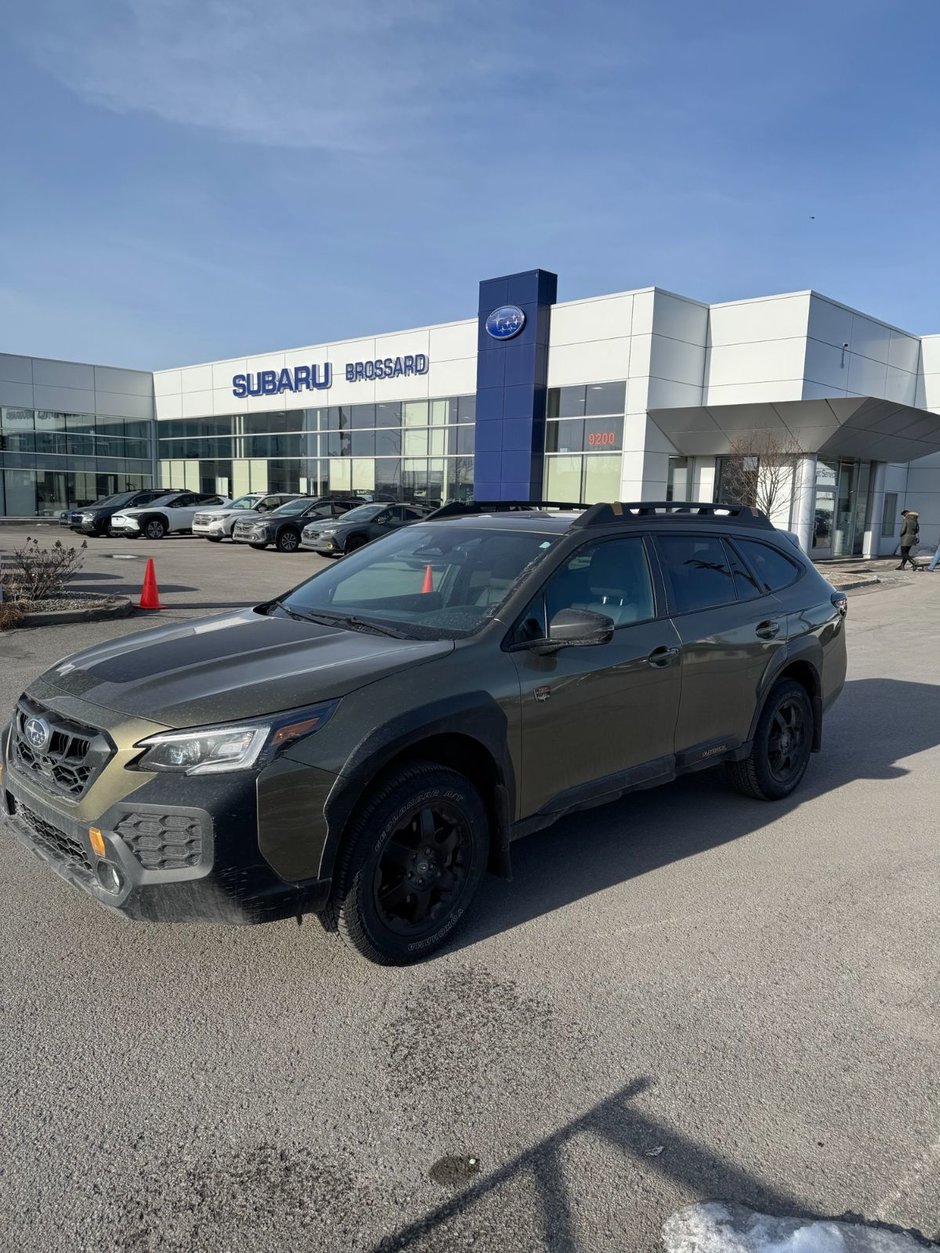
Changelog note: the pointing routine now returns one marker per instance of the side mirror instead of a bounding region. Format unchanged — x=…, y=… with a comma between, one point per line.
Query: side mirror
x=577, y=628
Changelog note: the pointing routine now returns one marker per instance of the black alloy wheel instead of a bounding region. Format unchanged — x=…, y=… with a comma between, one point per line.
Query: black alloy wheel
x=154, y=528
x=411, y=865
x=783, y=742
x=288, y=541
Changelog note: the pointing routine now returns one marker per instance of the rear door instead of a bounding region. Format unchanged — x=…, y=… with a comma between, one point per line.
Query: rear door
x=600, y=718
x=730, y=629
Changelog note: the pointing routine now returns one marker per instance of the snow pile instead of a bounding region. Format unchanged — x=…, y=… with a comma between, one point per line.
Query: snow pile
x=717, y=1228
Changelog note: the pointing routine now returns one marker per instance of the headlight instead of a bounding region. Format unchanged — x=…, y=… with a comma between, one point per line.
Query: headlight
x=88, y=517
x=219, y=750
x=330, y=530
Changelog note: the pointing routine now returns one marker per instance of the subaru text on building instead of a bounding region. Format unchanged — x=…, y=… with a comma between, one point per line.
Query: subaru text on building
x=365, y=746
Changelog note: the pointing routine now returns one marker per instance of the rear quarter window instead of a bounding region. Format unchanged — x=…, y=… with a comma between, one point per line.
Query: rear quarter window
x=696, y=571
x=773, y=568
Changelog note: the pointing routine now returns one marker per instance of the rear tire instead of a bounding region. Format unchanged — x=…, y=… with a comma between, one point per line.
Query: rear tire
x=410, y=866
x=782, y=745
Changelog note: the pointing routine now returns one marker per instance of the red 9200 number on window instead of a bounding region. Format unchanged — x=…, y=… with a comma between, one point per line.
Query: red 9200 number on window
x=601, y=439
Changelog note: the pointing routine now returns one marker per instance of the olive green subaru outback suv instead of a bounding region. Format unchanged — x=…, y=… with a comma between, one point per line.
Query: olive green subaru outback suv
x=365, y=746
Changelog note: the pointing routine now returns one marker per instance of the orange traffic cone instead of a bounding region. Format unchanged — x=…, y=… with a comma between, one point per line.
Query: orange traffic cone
x=149, y=593
x=428, y=584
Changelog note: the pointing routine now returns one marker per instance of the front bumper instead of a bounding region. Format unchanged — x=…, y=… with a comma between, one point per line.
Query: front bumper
x=209, y=528
x=127, y=526
x=165, y=860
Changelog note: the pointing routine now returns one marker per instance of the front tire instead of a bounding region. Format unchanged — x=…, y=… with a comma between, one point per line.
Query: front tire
x=354, y=542
x=782, y=745
x=154, y=528
x=411, y=865
x=259, y=547
x=287, y=542
x=214, y=539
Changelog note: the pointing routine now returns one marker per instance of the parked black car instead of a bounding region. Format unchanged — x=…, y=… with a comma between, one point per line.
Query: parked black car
x=282, y=526
x=358, y=527
x=95, y=519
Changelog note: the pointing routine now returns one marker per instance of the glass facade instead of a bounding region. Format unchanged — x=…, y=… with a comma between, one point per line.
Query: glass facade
x=418, y=450
x=583, y=442
x=52, y=461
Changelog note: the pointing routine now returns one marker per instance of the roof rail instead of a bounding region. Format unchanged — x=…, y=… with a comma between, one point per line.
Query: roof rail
x=619, y=511
x=461, y=508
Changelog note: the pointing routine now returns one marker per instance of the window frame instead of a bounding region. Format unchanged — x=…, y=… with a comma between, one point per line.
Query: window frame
x=797, y=566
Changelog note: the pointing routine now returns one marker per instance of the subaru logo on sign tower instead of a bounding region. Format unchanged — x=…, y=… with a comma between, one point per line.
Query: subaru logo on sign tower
x=38, y=734
x=505, y=322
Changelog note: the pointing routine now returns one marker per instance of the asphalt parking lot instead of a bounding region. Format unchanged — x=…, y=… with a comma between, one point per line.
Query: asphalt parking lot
x=684, y=995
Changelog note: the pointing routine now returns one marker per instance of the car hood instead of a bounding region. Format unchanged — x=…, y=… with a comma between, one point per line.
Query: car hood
x=238, y=665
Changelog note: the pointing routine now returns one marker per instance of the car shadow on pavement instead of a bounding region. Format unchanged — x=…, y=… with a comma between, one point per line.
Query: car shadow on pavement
x=617, y=1122
x=875, y=724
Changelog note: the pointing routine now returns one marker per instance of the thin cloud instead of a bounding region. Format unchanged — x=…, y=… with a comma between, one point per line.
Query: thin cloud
x=350, y=77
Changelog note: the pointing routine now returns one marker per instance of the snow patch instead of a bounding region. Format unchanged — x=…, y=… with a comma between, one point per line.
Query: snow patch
x=717, y=1228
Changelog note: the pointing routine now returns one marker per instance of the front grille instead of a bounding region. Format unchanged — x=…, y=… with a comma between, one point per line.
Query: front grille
x=66, y=760
x=54, y=840
x=162, y=841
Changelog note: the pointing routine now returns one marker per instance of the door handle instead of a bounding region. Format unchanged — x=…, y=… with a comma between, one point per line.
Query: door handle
x=662, y=656
x=768, y=630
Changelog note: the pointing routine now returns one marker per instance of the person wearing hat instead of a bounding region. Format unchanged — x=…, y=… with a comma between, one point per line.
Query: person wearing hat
x=910, y=530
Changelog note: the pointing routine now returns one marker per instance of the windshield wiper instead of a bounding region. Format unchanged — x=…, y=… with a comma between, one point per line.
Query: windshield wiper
x=336, y=619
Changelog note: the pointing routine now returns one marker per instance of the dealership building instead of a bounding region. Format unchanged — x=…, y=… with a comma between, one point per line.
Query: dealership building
x=639, y=395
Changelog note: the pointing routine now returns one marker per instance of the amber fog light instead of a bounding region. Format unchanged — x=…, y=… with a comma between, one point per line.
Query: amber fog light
x=97, y=841
x=109, y=877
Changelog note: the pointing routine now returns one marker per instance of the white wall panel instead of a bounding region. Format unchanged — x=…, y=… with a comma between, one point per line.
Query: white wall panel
x=930, y=354
x=609, y=317
x=900, y=386
x=124, y=406
x=763, y=362
x=64, y=399
x=642, y=322
x=826, y=365
x=17, y=395
x=407, y=343
x=16, y=369
x=169, y=406
x=126, y=382
x=680, y=319
x=595, y=362
x=449, y=343
x=452, y=378
x=829, y=322
x=198, y=404
x=224, y=371
x=866, y=377
x=870, y=338
x=666, y=394
x=168, y=383
x=196, y=378
x=819, y=391
x=904, y=352
x=677, y=360
x=753, y=393
x=68, y=374
x=747, y=321
x=640, y=356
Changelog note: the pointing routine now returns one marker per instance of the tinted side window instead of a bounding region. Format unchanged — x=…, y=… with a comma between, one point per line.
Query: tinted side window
x=771, y=566
x=696, y=571
x=746, y=584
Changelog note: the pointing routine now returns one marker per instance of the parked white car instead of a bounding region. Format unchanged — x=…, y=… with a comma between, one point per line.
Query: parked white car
x=167, y=515
x=216, y=524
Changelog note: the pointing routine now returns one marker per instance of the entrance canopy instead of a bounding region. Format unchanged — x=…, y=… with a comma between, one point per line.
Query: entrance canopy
x=859, y=427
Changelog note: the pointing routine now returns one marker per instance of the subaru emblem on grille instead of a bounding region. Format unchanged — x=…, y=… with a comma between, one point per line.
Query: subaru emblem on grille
x=38, y=734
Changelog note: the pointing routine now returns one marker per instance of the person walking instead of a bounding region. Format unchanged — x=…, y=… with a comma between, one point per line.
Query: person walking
x=910, y=530
x=935, y=560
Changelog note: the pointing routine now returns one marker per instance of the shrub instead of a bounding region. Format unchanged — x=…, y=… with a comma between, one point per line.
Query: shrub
x=36, y=573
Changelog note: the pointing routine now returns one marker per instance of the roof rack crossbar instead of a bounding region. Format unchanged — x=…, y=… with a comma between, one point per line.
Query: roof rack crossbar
x=460, y=508
x=619, y=511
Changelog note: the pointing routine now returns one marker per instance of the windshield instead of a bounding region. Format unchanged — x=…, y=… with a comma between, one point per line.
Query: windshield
x=293, y=506
x=244, y=502
x=362, y=513
x=438, y=581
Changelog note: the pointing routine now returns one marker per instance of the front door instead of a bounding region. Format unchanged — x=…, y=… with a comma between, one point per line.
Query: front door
x=598, y=718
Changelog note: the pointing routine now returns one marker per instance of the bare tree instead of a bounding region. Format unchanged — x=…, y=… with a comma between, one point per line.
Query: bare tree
x=759, y=470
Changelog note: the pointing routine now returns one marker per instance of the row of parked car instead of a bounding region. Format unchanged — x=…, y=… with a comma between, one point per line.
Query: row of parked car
x=330, y=525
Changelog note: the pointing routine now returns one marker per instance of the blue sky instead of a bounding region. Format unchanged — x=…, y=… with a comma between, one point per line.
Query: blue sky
x=192, y=179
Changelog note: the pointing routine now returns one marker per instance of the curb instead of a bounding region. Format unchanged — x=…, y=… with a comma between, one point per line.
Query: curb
x=850, y=586
x=120, y=607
